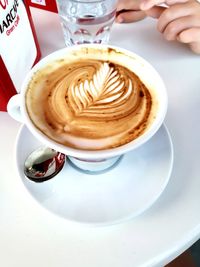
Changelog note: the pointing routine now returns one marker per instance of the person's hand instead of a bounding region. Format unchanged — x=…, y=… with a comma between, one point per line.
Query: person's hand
x=179, y=21
x=129, y=11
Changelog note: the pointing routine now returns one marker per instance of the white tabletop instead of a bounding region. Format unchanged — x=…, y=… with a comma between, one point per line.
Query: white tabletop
x=32, y=236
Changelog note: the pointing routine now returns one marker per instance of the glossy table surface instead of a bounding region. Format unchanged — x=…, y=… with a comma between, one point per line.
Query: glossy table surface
x=32, y=236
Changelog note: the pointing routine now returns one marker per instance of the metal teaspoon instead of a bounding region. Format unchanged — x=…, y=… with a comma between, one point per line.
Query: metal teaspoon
x=43, y=164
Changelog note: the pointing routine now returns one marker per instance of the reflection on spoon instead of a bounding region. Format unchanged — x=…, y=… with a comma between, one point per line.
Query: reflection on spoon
x=43, y=164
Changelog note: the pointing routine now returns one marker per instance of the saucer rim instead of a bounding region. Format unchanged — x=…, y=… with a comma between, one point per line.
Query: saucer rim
x=99, y=224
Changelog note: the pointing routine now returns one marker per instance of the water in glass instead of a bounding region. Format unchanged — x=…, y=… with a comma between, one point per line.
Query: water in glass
x=86, y=21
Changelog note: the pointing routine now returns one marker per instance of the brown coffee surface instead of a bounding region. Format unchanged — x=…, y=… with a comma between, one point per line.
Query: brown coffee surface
x=89, y=103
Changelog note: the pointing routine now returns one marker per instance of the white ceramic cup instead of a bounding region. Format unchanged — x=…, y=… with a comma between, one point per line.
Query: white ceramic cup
x=100, y=160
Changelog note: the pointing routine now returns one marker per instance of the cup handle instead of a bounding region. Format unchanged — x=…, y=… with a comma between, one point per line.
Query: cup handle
x=13, y=107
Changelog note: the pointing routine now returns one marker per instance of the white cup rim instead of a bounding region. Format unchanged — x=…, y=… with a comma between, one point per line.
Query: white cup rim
x=91, y=154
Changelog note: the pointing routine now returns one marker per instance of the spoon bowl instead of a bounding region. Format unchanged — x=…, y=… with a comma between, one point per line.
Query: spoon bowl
x=43, y=164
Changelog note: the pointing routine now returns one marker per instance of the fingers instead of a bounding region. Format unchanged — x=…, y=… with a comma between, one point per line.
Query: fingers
x=128, y=5
x=191, y=35
x=155, y=12
x=176, y=18
x=179, y=21
x=195, y=47
x=174, y=28
x=171, y=14
x=130, y=16
x=129, y=11
x=172, y=2
x=147, y=4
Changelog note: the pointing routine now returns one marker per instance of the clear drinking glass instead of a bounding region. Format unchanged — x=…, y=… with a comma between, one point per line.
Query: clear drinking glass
x=86, y=22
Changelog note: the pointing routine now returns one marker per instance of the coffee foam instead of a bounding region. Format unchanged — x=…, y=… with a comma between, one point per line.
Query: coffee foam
x=90, y=100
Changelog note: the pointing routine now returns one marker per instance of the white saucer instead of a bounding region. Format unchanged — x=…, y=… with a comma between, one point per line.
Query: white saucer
x=117, y=195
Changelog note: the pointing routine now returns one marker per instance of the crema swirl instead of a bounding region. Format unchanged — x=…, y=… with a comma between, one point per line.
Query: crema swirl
x=89, y=103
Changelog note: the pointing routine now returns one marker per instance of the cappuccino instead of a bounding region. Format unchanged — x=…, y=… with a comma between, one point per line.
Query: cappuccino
x=90, y=99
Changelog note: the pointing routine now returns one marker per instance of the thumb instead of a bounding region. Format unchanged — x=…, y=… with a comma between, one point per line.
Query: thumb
x=155, y=11
x=195, y=47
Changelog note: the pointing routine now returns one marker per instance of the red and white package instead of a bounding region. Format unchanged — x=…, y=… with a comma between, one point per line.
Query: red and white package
x=49, y=5
x=19, y=49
